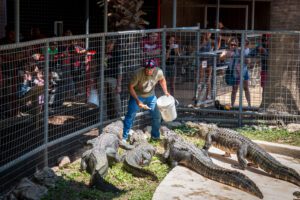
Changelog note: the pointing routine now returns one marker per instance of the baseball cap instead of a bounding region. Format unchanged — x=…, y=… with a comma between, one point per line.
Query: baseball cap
x=150, y=64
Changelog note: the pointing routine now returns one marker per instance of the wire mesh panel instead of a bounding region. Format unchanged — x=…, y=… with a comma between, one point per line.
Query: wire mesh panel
x=180, y=64
x=55, y=90
x=21, y=98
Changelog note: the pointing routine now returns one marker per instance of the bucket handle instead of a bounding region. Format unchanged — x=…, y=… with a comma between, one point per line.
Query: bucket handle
x=176, y=102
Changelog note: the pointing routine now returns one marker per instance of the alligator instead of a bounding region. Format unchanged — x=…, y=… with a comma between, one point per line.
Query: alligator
x=26, y=189
x=111, y=143
x=115, y=128
x=139, y=157
x=45, y=177
x=95, y=162
x=231, y=141
x=137, y=137
x=178, y=151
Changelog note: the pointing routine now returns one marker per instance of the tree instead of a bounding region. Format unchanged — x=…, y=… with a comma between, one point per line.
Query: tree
x=125, y=14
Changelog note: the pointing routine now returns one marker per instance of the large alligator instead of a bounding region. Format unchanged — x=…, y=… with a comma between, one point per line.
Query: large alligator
x=137, y=137
x=95, y=162
x=115, y=128
x=231, y=141
x=139, y=157
x=178, y=151
x=110, y=141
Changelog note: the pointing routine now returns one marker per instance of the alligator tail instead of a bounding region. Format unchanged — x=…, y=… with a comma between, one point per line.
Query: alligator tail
x=281, y=172
x=139, y=171
x=226, y=176
x=270, y=165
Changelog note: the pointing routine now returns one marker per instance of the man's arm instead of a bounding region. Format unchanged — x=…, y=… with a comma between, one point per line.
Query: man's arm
x=134, y=95
x=163, y=84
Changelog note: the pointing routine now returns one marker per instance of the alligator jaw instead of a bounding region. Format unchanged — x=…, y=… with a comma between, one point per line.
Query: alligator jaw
x=202, y=129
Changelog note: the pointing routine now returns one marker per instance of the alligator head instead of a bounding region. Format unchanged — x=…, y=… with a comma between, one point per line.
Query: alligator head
x=202, y=128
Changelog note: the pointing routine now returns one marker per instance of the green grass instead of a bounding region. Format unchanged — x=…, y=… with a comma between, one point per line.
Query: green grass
x=281, y=136
x=73, y=184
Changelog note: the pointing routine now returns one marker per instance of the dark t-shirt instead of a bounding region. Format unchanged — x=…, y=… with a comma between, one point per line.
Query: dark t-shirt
x=112, y=64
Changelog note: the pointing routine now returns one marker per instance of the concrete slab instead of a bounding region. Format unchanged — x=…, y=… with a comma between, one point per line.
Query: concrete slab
x=182, y=183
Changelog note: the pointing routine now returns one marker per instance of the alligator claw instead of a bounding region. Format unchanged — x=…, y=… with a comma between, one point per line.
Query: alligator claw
x=227, y=155
x=252, y=165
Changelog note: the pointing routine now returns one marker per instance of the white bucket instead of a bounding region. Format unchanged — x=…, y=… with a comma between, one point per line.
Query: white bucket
x=167, y=107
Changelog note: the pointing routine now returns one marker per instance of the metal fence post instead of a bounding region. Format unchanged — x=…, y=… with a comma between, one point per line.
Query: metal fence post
x=214, y=86
x=242, y=56
x=46, y=105
x=101, y=98
x=164, y=49
x=197, y=62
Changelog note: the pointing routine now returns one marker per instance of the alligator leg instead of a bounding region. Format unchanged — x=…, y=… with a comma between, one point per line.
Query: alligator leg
x=208, y=142
x=125, y=146
x=146, y=158
x=241, y=154
x=252, y=165
x=111, y=152
x=166, y=154
x=83, y=164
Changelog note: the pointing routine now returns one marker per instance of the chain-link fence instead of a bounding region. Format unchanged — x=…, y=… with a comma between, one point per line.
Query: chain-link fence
x=56, y=93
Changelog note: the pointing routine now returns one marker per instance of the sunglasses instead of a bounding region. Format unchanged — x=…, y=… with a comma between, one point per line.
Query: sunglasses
x=233, y=45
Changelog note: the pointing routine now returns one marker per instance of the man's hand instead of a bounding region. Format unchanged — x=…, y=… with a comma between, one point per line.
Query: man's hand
x=143, y=106
x=167, y=94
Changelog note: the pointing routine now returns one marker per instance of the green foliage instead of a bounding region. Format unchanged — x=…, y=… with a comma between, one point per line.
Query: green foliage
x=189, y=134
x=271, y=135
x=74, y=184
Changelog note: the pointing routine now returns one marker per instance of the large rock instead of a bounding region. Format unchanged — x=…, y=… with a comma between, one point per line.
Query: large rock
x=292, y=128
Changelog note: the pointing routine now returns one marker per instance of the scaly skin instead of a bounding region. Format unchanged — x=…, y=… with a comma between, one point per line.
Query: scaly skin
x=137, y=137
x=232, y=142
x=183, y=153
x=111, y=143
x=95, y=162
x=138, y=157
x=115, y=128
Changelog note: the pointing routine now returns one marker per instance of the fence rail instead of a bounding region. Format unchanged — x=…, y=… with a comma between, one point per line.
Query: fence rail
x=53, y=91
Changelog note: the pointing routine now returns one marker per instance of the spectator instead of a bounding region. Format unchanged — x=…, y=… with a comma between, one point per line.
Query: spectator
x=172, y=51
x=142, y=95
x=26, y=85
x=10, y=36
x=35, y=34
x=223, y=37
x=77, y=59
x=232, y=76
x=64, y=50
x=204, y=85
x=39, y=81
x=261, y=51
x=113, y=79
x=152, y=48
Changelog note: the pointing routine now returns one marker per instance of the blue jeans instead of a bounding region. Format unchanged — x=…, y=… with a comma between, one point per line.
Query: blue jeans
x=133, y=108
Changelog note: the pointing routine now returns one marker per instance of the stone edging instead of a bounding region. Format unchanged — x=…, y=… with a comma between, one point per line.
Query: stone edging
x=282, y=149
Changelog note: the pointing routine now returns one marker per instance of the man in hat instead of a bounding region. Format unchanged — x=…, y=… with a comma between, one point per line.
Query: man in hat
x=142, y=96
